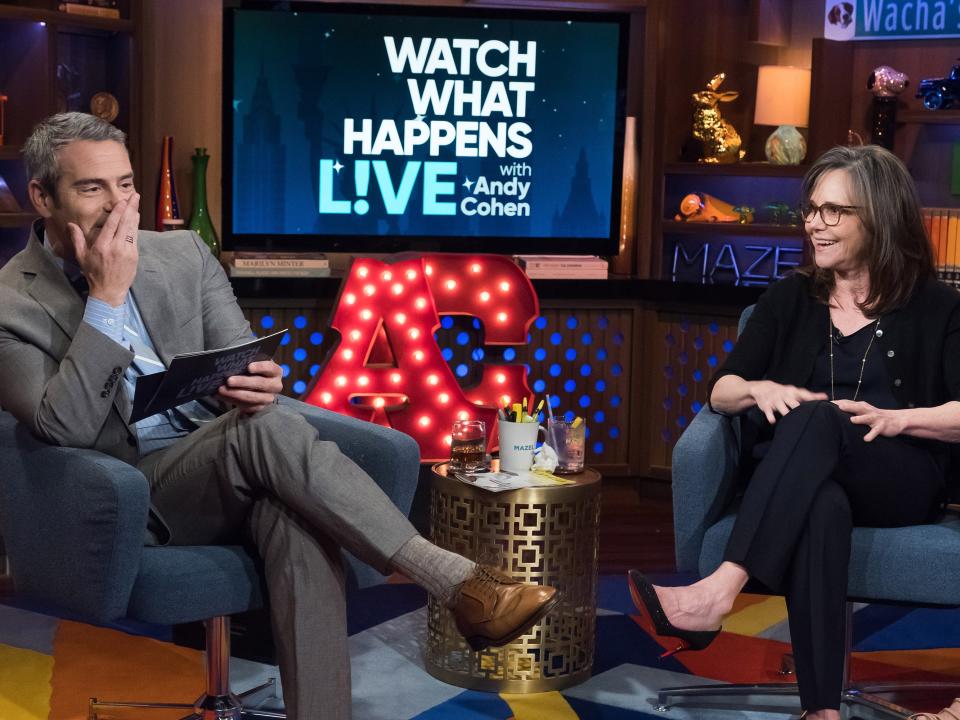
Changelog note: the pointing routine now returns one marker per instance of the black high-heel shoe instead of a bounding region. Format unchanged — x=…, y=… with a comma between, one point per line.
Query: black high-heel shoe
x=644, y=596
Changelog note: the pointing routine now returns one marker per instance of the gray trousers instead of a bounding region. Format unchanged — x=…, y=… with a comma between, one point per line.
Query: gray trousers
x=301, y=500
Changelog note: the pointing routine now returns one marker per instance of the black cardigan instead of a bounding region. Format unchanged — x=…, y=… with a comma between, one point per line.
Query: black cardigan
x=920, y=346
x=788, y=329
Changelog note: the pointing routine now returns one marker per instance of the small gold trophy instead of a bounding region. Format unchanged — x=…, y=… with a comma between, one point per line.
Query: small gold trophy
x=105, y=106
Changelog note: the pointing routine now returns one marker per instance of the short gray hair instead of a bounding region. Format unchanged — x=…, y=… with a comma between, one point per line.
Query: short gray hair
x=40, y=150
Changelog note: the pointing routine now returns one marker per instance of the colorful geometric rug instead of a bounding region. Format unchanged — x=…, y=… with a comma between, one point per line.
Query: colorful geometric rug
x=49, y=667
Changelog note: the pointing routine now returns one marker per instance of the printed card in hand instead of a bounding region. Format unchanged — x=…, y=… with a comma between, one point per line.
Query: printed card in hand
x=199, y=374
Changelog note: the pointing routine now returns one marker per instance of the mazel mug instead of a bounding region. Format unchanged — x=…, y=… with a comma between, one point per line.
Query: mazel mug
x=517, y=443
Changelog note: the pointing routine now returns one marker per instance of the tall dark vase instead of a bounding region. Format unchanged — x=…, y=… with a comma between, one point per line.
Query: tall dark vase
x=883, y=124
x=167, y=206
x=200, y=218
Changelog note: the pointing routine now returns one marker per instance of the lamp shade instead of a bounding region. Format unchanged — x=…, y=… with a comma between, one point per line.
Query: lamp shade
x=783, y=96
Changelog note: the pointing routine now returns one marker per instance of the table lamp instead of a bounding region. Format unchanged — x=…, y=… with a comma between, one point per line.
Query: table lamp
x=783, y=99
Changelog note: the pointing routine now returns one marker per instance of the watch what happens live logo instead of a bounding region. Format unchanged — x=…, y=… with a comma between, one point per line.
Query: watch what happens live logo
x=469, y=118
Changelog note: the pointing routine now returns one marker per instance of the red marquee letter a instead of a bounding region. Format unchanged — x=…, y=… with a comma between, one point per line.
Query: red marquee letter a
x=388, y=368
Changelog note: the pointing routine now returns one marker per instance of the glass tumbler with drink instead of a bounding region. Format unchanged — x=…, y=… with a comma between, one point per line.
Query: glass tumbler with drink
x=468, y=445
x=569, y=440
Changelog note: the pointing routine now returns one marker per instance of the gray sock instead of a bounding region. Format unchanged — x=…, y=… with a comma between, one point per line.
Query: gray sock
x=438, y=571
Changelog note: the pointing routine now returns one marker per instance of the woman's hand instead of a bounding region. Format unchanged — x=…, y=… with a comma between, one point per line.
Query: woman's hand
x=888, y=423
x=773, y=398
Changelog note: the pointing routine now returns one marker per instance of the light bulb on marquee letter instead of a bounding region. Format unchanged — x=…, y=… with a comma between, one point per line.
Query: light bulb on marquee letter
x=392, y=334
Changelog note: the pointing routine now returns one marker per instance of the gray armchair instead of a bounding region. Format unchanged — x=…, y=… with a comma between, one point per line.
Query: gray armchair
x=917, y=565
x=74, y=521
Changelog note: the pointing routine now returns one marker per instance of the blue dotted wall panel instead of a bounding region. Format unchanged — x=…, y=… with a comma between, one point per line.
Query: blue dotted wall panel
x=690, y=350
x=302, y=349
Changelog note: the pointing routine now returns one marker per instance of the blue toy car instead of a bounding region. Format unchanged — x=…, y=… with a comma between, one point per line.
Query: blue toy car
x=941, y=93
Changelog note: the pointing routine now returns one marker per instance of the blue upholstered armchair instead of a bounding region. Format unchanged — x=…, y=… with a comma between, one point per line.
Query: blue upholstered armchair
x=74, y=522
x=917, y=565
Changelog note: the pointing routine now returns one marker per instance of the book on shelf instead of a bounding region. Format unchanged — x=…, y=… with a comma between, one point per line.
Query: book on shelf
x=563, y=267
x=583, y=274
x=943, y=230
x=278, y=272
x=243, y=259
x=79, y=8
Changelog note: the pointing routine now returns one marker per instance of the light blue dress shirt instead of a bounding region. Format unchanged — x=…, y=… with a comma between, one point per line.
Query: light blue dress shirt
x=124, y=325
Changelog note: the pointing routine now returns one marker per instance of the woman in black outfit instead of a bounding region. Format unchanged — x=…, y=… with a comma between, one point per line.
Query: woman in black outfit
x=848, y=373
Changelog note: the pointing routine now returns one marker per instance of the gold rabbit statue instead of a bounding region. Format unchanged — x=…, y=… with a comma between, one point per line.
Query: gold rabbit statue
x=721, y=143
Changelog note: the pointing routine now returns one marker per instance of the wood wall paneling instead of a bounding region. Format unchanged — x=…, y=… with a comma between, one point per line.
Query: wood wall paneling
x=685, y=351
x=770, y=22
x=182, y=53
x=830, y=95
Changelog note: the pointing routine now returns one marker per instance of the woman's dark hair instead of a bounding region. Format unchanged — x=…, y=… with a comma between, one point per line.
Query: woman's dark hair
x=897, y=252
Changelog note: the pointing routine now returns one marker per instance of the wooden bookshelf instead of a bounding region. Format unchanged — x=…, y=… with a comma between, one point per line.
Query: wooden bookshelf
x=16, y=220
x=68, y=20
x=731, y=228
x=739, y=169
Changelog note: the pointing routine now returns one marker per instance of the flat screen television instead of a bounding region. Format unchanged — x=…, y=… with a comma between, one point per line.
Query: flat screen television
x=359, y=128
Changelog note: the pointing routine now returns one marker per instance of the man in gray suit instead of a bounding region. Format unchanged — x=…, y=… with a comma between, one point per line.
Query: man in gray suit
x=92, y=302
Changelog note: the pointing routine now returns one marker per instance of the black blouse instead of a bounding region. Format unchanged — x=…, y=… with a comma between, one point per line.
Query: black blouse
x=848, y=356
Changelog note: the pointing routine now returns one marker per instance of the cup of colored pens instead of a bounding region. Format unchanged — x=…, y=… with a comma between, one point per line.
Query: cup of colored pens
x=517, y=435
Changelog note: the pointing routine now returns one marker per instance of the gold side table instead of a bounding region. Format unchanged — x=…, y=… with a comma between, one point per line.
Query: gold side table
x=544, y=535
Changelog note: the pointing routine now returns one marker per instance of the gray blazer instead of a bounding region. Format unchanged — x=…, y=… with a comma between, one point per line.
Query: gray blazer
x=62, y=378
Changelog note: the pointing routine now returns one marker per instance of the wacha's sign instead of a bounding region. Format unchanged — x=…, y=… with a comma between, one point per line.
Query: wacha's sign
x=891, y=19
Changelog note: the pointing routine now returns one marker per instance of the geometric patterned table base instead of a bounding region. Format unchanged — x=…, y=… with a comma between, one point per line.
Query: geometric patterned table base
x=545, y=535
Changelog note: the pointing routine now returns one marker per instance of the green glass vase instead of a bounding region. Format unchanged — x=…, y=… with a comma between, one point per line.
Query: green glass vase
x=200, y=218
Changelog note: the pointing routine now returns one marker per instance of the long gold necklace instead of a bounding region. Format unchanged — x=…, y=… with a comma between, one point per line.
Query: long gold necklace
x=863, y=363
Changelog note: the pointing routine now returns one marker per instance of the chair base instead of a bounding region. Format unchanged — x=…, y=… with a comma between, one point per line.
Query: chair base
x=218, y=702
x=207, y=707
x=858, y=701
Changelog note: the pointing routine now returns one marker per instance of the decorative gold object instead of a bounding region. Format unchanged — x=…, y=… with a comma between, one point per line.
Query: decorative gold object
x=701, y=207
x=105, y=106
x=543, y=535
x=622, y=263
x=3, y=100
x=721, y=142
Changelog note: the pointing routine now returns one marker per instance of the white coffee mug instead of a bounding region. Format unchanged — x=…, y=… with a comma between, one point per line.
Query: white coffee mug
x=517, y=443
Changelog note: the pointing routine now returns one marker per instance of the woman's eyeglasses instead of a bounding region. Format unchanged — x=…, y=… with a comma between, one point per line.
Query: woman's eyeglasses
x=829, y=212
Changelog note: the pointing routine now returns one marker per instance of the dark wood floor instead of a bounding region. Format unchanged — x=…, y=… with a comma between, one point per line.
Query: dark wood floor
x=636, y=526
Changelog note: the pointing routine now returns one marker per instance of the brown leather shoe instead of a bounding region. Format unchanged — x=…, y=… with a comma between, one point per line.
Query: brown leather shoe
x=950, y=713
x=492, y=609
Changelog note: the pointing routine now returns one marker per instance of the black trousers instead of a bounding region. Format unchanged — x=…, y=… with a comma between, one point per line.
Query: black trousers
x=817, y=480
